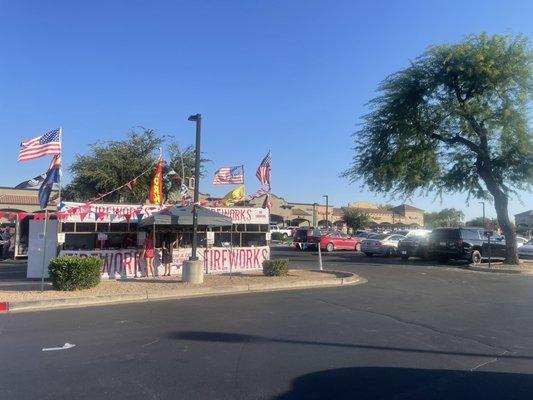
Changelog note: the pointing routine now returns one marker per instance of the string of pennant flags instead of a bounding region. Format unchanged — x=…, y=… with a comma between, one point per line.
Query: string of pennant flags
x=50, y=144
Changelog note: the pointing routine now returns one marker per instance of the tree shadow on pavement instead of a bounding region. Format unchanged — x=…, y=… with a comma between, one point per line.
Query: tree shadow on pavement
x=225, y=337
x=363, y=383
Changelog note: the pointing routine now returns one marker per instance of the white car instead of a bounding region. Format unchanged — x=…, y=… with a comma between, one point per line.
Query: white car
x=285, y=232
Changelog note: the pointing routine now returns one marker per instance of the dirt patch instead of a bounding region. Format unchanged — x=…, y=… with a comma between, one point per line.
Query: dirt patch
x=31, y=291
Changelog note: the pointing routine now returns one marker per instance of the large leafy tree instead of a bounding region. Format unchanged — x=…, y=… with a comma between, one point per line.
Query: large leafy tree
x=355, y=219
x=455, y=120
x=111, y=164
x=447, y=217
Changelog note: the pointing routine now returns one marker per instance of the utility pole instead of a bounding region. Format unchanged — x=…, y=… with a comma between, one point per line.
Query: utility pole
x=327, y=220
x=198, y=119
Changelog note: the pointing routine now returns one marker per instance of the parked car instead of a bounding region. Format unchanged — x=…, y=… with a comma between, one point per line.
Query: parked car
x=415, y=244
x=526, y=251
x=339, y=241
x=306, y=238
x=498, y=247
x=381, y=243
x=363, y=234
x=286, y=232
x=456, y=244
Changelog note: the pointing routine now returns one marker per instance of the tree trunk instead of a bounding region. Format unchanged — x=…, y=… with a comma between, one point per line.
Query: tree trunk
x=501, y=205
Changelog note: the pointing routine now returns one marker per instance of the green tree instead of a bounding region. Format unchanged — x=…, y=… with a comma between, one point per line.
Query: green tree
x=355, y=219
x=445, y=218
x=455, y=120
x=386, y=206
x=111, y=164
x=478, y=222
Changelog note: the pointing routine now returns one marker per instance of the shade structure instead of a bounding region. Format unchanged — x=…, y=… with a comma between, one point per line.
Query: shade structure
x=182, y=216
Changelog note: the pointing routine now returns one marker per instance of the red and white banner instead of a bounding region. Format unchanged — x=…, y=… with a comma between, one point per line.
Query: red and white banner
x=217, y=260
x=244, y=215
x=80, y=212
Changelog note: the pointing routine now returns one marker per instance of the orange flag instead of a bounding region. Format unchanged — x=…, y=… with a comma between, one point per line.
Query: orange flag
x=156, y=188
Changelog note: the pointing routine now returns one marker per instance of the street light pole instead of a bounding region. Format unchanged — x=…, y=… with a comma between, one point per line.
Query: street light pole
x=483, y=203
x=327, y=220
x=198, y=119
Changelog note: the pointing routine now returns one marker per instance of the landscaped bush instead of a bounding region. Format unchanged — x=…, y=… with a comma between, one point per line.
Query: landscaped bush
x=277, y=267
x=73, y=272
x=276, y=236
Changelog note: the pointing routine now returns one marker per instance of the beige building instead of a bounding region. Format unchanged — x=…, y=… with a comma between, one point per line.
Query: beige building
x=524, y=219
x=314, y=214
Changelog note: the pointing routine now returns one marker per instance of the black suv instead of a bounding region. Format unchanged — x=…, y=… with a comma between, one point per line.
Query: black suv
x=306, y=238
x=456, y=244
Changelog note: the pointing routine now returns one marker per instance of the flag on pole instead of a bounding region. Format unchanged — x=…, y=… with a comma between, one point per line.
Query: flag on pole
x=156, y=188
x=264, y=174
x=52, y=176
x=47, y=144
x=267, y=203
x=229, y=176
x=234, y=196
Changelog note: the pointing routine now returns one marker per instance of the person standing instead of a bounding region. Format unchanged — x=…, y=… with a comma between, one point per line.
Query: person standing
x=166, y=255
x=4, y=243
x=148, y=254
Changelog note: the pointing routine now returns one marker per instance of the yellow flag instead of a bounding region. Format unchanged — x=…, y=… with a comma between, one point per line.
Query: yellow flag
x=234, y=196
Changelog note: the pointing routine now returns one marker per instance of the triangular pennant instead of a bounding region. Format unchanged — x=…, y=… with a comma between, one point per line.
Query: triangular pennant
x=96, y=216
x=82, y=215
x=101, y=215
x=12, y=215
x=112, y=217
x=21, y=215
x=127, y=216
x=1, y=214
x=139, y=217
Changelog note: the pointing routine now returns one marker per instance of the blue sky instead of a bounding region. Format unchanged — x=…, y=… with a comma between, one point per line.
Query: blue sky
x=292, y=76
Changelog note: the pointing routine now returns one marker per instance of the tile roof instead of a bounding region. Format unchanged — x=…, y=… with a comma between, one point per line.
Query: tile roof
x=21, y=199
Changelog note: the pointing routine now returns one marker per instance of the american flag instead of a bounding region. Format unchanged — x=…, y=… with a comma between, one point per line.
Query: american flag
x=47, y=144
x=229, y=175
x=263, y=172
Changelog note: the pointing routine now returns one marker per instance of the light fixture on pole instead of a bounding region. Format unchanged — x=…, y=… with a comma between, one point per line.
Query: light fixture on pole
x=327, y=220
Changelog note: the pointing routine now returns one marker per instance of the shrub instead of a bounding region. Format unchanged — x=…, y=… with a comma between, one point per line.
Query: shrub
x=277, y=267
x=276, y=236
x=73, y=272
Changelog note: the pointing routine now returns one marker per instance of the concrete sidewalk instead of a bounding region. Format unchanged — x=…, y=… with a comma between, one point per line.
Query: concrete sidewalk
x=29, y=298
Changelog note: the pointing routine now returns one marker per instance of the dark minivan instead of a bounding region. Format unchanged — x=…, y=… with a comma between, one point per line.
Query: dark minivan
x=456, y=244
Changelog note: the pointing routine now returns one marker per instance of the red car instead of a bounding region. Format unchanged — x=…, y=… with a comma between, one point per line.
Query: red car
x=339, y=241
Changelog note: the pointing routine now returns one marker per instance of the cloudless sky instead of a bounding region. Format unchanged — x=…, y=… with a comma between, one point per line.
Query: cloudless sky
x=290, y=76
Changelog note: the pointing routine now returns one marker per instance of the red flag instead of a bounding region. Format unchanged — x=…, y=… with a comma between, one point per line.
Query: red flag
x=101, y=215
x=1, y=214
x=21, y=215
x=131, y=184
x=82, y=215
x=127, y=216
x=156, y=188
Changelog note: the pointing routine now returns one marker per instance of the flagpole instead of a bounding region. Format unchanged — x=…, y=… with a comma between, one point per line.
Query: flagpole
x=60, y=162
x=244, y=187
x=44, y=248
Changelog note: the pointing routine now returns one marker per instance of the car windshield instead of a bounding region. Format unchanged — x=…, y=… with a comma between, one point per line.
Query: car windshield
x=378, y=236
x=413, y=234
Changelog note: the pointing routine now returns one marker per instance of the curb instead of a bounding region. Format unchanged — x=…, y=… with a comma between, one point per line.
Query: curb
x=472, y=267
x=346, y=278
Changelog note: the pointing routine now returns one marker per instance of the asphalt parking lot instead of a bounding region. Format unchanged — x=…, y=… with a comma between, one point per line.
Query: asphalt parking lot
x=413, y=331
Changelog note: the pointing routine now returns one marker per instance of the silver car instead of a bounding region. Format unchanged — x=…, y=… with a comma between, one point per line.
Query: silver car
x=526, y=251
x=381, y=243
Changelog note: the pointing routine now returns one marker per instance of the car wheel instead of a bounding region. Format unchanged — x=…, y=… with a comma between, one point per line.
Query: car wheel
x=358, y=247
x=368, y=254
x=476, y=257
x=330, y=247
x=390, y=252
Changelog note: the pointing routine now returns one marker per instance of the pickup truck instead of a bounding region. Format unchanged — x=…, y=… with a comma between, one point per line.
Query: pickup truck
x=286, y=232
